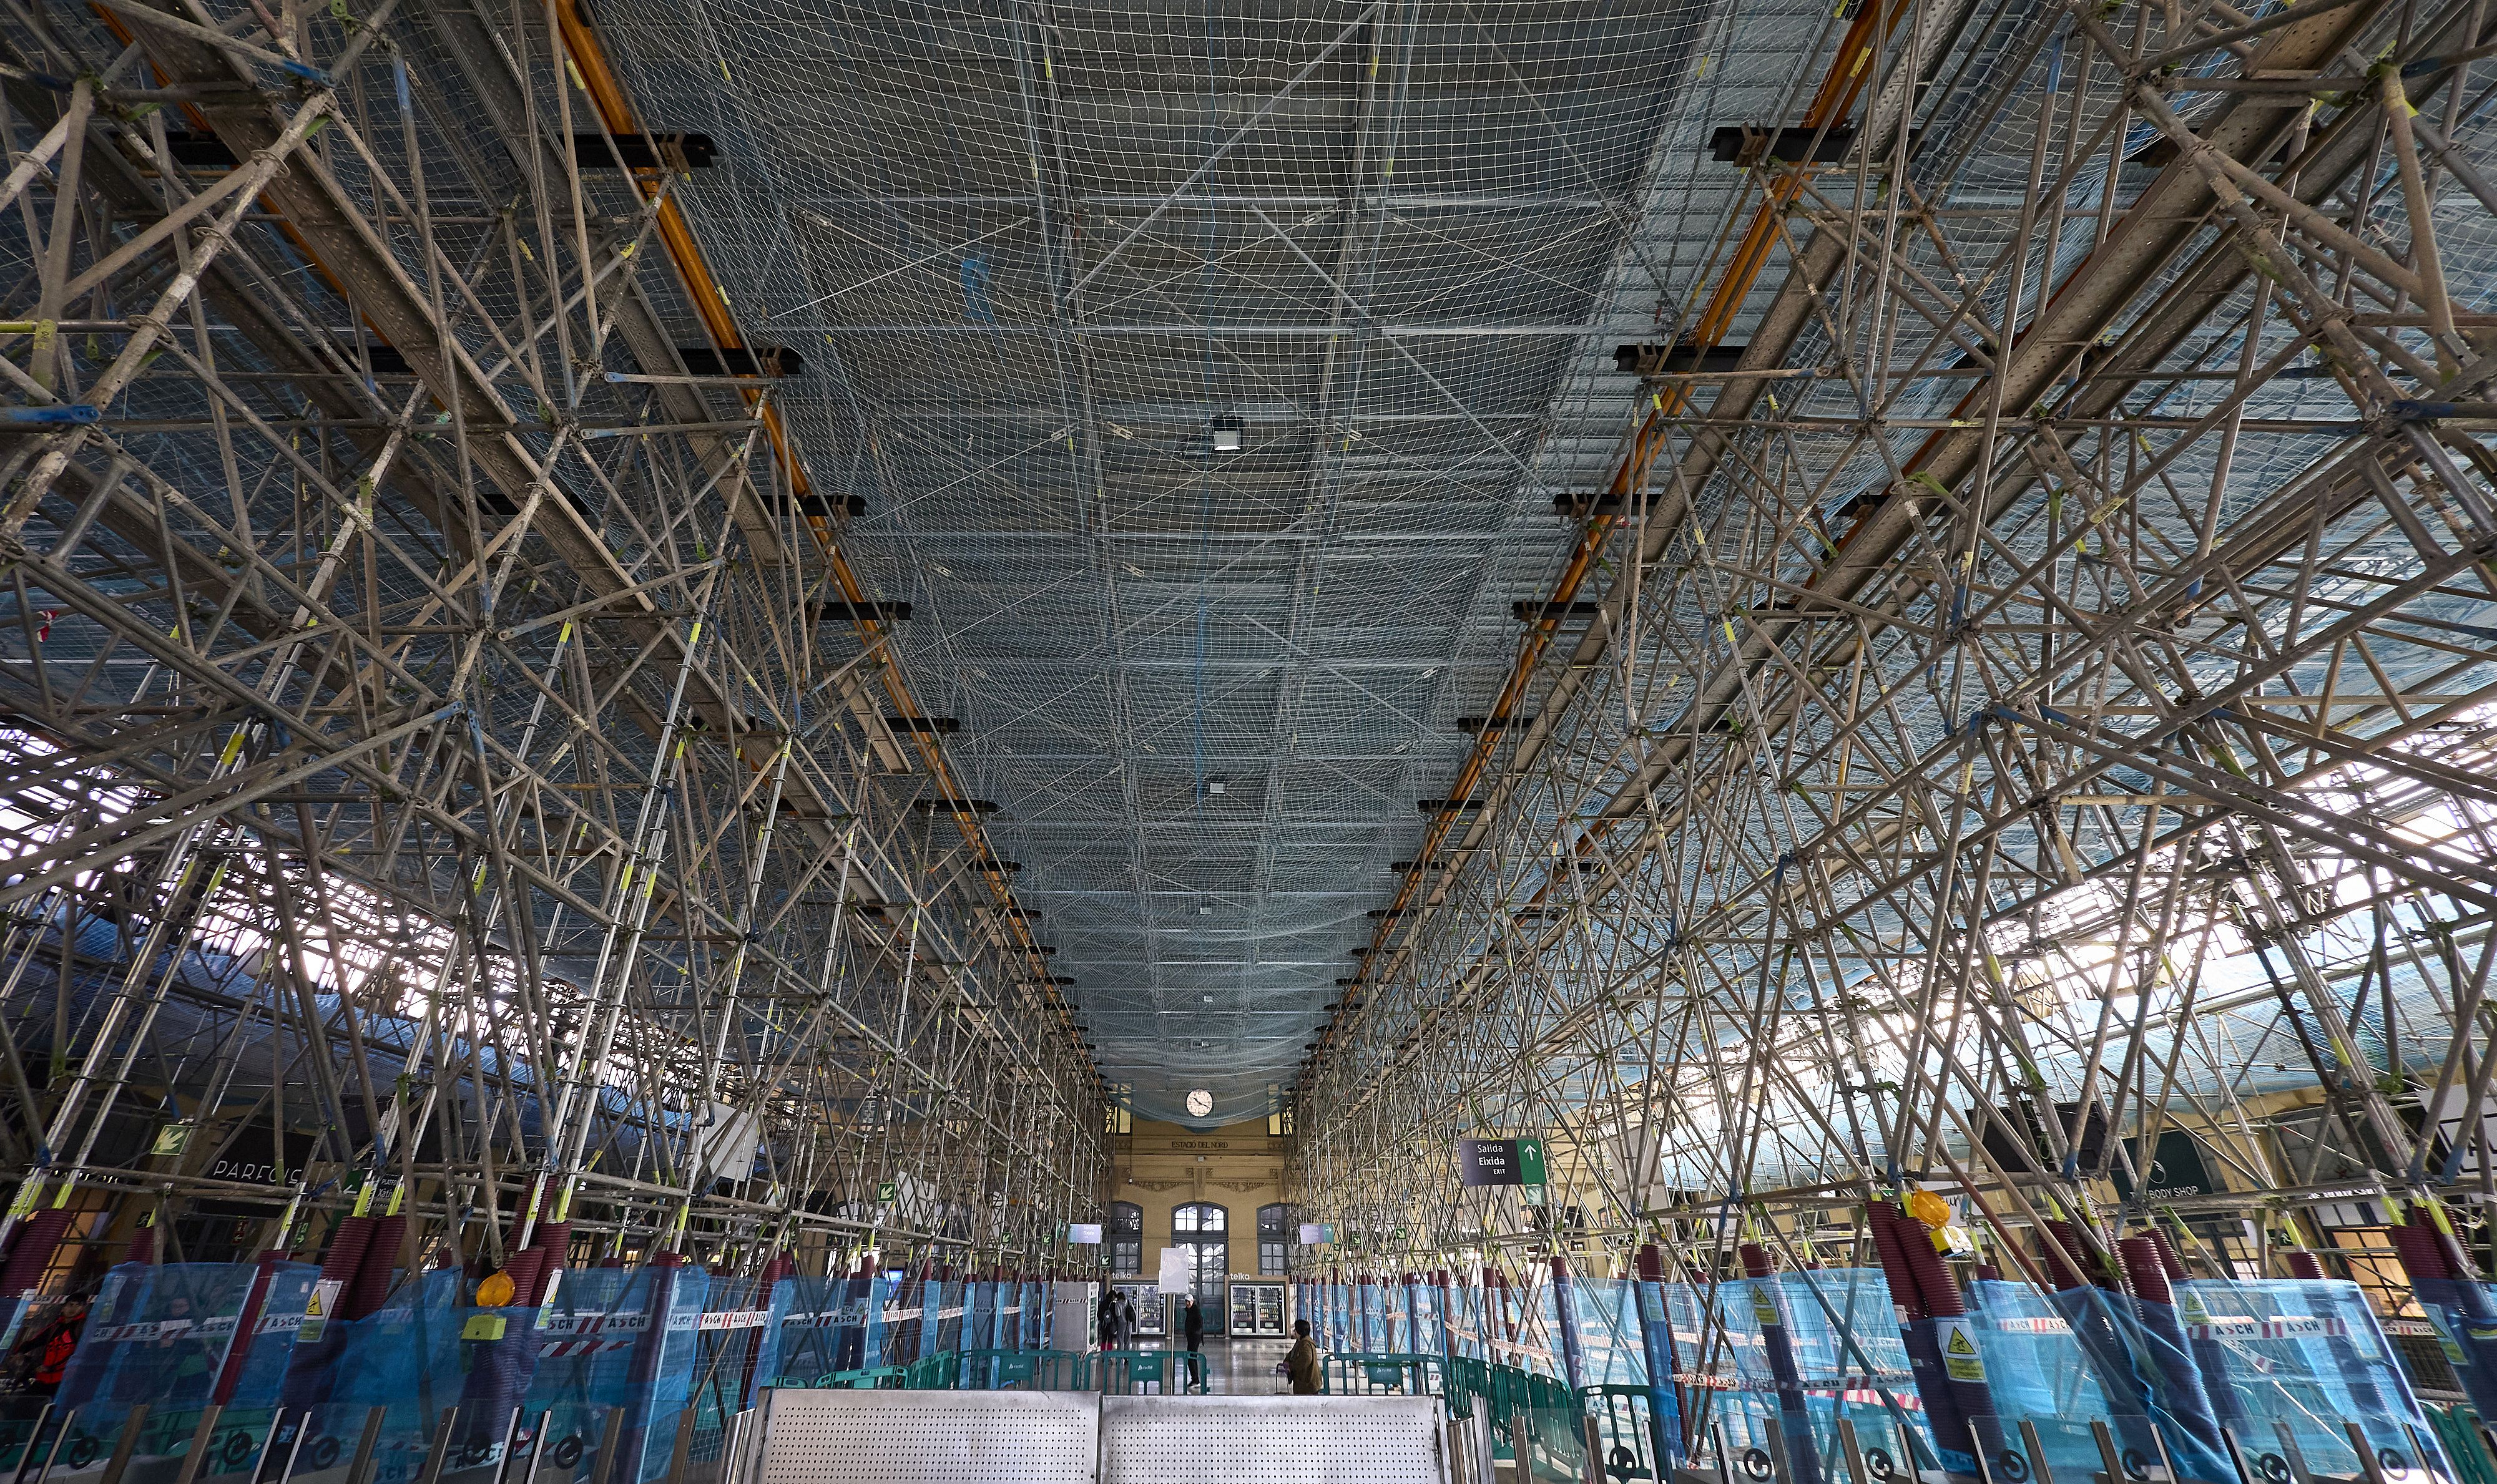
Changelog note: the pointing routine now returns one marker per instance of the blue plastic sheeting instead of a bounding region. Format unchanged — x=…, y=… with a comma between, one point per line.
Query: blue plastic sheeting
x=179, y=1338
x=1467, y=1326
x=2063, y=1360
x=1660, y=1350
x=1804, y=1348
x=183, y=1335
x=2044, y=1367
x=1610, y=1350
x=948, y=1317
x=652, y=1347
x=608, y=1339
x=1536, y=1345
x=2304, y=1355
x=2465, y=1316
x=1429, y=1335
x=817, y=1326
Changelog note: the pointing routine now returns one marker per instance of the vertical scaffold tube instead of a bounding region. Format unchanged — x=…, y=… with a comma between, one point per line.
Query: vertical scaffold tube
x=1656, y=1341
x=2188, y=1400
x=1768, y=1308
x=1893, y=1234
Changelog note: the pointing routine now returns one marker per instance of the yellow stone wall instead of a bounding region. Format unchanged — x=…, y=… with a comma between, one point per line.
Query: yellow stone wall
x=1162, y=1166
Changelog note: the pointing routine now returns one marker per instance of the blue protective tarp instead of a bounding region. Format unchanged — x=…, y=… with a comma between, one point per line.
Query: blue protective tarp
x=2304, y=1354
x=1605, y=1315
x=1804, y=1348
x=179, y=1338
x=2066, y=1360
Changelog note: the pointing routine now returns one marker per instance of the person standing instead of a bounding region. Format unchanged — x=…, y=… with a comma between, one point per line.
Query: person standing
x=1128, y=1316
x=1192, y=1327
x=1109, y=1318
x=1300, y=1364
x=53, y=1346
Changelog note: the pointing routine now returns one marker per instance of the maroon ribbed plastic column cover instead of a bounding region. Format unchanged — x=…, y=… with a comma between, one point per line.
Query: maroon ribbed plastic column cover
x=39, y=1237
x=2168, y=1262
x=1883, y=1217
x=375, y=1266
x=1934, y=1279
x=2305, y=1264
x=521, y=1268
x=2141, y=1264
x=2061, y=1247
x=347, y=1246
x=554, y=1239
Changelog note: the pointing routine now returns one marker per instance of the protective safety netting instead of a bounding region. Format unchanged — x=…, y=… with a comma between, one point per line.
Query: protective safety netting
x=1773, y=1365
x=1207, y=377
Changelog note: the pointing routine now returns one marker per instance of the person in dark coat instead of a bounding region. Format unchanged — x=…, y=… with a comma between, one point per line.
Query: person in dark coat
x=1302, y=1364
x=1127, y=1316
x=1109, y=1318
x=1195, y=1325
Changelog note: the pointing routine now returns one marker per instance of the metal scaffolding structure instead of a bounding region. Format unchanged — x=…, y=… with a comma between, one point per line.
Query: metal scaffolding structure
x=498, y=740
x=453, y=770
x=2021, y=689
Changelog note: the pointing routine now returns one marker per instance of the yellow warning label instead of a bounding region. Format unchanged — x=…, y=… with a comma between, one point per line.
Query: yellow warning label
x=316, y=1310
x=1960, y=1360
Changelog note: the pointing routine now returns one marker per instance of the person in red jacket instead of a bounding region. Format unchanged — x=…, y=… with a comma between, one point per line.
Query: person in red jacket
x=57, y=1342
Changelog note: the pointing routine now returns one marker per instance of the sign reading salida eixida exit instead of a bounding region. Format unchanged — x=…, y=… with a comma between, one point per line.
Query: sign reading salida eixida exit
x=1499, y=1161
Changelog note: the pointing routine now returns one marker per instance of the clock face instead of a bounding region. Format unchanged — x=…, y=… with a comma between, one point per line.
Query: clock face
x=1200, y=1103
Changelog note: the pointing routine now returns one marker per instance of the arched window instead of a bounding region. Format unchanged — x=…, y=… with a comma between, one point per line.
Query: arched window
x=1203, y=1231
x=1126, y=1237
x=1276, y=1240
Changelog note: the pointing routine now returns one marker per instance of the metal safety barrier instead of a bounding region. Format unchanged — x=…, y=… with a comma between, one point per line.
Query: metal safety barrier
x=1371, y=1374
x=1142, y=1372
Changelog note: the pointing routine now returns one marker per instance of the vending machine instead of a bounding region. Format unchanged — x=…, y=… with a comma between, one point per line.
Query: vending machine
x=1257, y=1308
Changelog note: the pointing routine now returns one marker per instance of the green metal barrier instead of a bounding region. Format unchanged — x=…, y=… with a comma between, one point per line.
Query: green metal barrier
x=1621, y=1417
x=1536, y=1420
x=1131, y=1371
x=930, y=1372
x=1376, y=1374
x=2466, y=1442
x=1123, y=1371
x=872, y=1378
